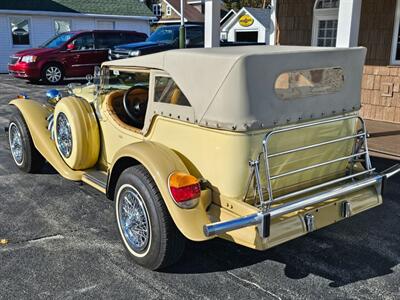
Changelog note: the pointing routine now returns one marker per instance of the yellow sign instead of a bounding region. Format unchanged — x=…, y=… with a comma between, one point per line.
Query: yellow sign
x=246, y=21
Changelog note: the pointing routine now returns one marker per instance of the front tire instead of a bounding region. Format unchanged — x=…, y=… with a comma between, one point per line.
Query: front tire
x=145, y=227
x=24, y=153
x=52, y=74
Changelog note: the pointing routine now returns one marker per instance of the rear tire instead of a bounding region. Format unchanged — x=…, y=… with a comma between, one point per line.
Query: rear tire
x=145, y=227
x=52, y=74
x=24, y=153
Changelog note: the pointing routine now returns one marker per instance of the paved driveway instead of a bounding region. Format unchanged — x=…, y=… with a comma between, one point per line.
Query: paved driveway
x=64, y=244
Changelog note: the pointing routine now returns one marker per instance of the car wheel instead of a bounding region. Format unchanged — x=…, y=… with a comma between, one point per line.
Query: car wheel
x=52, y=74
x=76, y=133
x=24, y=153
x=145, y=227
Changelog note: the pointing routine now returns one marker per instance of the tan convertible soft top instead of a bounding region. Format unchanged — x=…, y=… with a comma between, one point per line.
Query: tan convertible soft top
x=234, y=87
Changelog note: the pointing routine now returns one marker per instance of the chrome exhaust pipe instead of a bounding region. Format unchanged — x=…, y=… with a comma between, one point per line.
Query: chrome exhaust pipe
x=225, y=226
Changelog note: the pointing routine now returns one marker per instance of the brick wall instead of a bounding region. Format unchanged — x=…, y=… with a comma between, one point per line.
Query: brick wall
x=380, y=88
x=381, y=83
x=381, y=93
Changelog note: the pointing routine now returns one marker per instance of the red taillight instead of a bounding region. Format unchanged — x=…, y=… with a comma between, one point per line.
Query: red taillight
x=186, y=193
x=185, y=189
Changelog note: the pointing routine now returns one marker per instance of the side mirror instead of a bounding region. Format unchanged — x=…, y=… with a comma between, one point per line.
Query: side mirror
x=96, y=76
x=70, y=47
x=89, y=78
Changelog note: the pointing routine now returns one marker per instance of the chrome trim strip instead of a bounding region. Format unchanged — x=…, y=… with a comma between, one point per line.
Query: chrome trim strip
x=84, y=65
x=317, y=165
x=319, y=186
x=257, y=218
x=323, y=196
x=393, y=170
x=101, y=183
x=316, y=145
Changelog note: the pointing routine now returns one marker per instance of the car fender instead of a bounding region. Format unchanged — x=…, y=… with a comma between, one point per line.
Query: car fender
x=35, y=115
x=160, y=162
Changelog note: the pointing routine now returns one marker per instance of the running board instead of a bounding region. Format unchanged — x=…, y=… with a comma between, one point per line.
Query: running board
x=96, y=179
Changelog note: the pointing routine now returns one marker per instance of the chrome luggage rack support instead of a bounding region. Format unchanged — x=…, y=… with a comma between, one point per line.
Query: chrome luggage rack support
x=265, y=205
x=263, y=218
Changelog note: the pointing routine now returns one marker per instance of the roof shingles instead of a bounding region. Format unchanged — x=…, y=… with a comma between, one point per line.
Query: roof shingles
x=191, y=14
x=102, y=7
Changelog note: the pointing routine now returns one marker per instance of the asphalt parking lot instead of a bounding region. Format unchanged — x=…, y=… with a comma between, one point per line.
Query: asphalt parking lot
x=63, y=244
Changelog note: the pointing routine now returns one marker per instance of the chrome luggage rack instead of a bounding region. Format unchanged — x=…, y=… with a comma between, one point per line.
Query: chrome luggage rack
x=360, y=152
x=263, y=217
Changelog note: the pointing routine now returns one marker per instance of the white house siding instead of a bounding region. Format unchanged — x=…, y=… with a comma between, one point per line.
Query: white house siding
x=256, y=26
x=42, y=28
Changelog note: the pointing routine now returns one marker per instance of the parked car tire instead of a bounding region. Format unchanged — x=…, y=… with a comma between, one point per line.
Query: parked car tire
x=145, y=227
x=23, y=151
x=52, y=73
x=76, y=133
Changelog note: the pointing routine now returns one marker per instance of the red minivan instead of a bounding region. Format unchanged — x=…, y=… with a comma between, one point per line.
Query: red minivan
x=70, y=54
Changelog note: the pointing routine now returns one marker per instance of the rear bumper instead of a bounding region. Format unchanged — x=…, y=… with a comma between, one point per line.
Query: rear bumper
x=24, y=70
x=263, y=219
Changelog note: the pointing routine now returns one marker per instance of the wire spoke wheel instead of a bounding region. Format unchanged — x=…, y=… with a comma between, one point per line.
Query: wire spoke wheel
x=133, y=219
x=145, y=226
x=16, y=144
x=64, y=135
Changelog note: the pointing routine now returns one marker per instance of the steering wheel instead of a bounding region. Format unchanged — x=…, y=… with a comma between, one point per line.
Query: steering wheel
x=135, y=104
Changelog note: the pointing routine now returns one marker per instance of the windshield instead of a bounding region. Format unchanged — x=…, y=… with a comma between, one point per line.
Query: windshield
x=57, y=41
x=122, y=80
x=164, y=35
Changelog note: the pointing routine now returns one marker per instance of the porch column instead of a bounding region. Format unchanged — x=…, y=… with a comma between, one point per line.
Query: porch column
x=272, y=29
x=348, y=23
x=212, y=11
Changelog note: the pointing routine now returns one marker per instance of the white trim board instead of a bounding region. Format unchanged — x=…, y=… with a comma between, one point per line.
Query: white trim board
x=396, y=32
x=63, y=14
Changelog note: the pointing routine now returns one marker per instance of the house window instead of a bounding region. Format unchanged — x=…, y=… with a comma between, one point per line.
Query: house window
x=20, y=30
x=157, y=10
x=395, y=56
x=327, y=4
x=327, y=30
x=325, y=23
x=168, y=10
x=61, y=26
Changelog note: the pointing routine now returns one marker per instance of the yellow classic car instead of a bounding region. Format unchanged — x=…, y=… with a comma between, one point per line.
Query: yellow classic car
x=257, y=145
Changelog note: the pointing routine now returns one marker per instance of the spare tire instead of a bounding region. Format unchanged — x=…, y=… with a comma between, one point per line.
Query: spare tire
x=76, y=133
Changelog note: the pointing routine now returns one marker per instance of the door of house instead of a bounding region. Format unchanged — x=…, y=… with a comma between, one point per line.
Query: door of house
x=247, y=36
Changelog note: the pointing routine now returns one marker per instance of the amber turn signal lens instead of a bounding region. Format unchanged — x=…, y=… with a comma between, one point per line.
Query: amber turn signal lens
x=184, y=188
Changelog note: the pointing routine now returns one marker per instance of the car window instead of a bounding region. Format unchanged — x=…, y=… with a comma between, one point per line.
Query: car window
x=57, y=41
x=84, y=42
x=195, y=36
x=107, y=40
x=306, y=83
x=132, y=38
x=166, y=91
x=164, y=35
x=122, y=80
